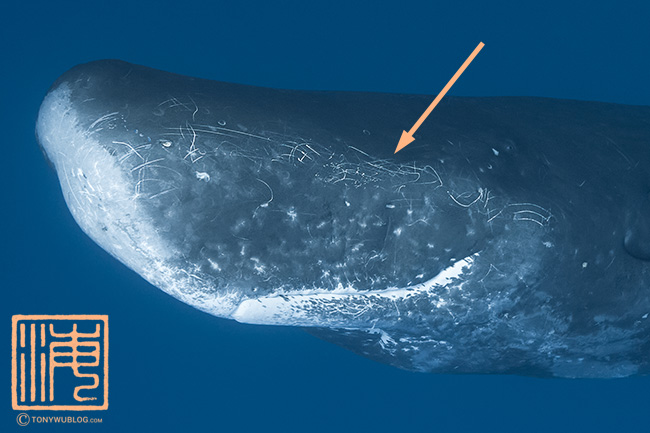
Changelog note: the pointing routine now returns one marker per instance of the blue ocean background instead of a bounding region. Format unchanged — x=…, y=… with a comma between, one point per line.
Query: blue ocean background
x=173, y=368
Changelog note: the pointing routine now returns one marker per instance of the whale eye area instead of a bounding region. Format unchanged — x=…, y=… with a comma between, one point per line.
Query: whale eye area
x=509, y=147
x=165, y=143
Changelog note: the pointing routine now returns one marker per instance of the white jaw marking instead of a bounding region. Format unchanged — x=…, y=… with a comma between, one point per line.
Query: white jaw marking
x=339, y=308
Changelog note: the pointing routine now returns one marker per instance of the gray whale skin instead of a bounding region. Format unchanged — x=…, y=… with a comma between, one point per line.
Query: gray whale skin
x=512, y=237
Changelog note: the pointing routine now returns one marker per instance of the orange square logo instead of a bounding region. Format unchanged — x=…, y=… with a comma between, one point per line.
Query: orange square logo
x=59, y=362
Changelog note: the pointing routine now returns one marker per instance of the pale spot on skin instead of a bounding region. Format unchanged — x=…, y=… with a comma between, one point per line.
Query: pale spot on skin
x=214, y=265
x=203, y=176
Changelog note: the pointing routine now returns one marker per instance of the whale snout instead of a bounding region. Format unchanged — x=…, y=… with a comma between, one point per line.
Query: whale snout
x=118, y=185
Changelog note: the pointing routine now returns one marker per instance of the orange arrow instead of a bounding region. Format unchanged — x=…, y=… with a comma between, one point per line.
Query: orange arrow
x=407, y=137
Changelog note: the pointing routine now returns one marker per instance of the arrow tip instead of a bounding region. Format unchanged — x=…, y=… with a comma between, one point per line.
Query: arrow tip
x=404, y=141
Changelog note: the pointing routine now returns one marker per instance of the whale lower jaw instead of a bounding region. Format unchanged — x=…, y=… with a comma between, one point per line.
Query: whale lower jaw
x=348, y=308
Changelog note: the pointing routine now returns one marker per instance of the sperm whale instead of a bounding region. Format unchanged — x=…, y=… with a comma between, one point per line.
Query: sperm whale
x=512, y=237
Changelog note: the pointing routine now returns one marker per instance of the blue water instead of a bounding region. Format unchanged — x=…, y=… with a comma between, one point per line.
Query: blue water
x=172, y=367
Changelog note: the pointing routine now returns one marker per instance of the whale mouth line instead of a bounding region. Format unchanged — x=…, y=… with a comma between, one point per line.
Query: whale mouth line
x=340, y=308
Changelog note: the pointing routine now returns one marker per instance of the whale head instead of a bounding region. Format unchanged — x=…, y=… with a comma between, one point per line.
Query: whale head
x=493, y=243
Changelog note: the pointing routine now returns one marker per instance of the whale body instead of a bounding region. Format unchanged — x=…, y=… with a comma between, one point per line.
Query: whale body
x=512, y=237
